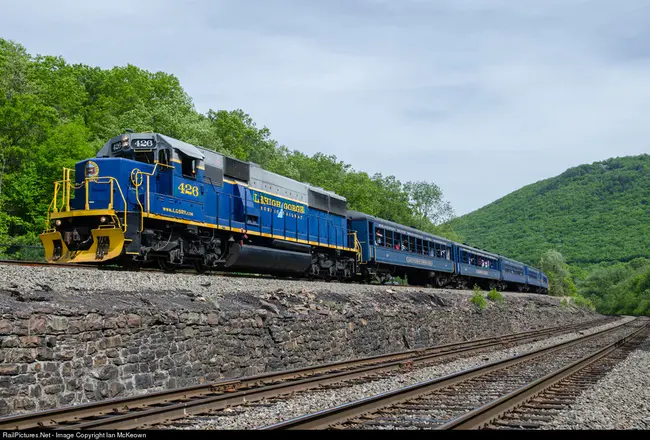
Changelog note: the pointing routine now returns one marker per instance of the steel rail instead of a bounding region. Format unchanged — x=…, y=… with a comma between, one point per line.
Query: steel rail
x=365, y=366
x=490, y=411
x=43, y=263
x=342, y=413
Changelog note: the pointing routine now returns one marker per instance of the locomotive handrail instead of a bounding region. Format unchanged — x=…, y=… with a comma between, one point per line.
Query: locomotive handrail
x=136, y=180
x=65, y=196
x=65, y=186
x=111, y=204
x=136, y=185
x=49, y=207
x=357, y=245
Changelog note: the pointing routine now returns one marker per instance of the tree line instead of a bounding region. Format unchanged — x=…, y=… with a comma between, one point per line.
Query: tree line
x=53, y=114
x=592, y=213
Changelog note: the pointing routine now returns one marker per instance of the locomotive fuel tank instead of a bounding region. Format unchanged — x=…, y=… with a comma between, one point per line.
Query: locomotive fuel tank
x=267, y=259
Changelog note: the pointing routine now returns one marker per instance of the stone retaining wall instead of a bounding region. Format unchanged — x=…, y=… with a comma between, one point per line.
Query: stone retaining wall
x=71, y=347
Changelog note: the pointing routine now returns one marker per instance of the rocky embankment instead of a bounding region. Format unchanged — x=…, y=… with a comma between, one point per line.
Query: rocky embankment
x=69, y=336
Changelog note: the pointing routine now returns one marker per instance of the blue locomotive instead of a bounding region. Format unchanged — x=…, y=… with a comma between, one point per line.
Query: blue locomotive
x=148, y=199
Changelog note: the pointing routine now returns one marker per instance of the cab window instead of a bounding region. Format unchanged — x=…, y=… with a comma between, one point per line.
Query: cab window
x=163, y=157
x=188, y=166
x=144, y=156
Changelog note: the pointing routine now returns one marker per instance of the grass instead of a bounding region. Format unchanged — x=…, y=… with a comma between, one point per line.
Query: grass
x=583, y=303
x=578, y=301
x=495, y=296
x=478, y=298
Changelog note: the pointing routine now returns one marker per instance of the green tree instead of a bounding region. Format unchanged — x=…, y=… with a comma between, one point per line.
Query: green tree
x=559, y=278
x=591, y=214
x=427, y=203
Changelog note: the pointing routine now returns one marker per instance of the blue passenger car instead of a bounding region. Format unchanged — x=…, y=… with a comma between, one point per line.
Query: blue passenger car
x=513, y=272
x=477, y=263
x=544, y=282
x=536, y=280
x=533, y=277
x=389, y=249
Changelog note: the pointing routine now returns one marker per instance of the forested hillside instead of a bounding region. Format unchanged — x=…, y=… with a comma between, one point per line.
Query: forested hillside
x=53, y=114
x=591, y=214
x=620, y=288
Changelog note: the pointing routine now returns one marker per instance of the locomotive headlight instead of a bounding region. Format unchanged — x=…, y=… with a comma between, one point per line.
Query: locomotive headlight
x=102, y=219
x=57, y=222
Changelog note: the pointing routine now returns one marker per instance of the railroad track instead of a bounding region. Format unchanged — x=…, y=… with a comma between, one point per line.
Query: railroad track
x=165, y=406
x=42, y=263
x=475, y=397
x=537, y=404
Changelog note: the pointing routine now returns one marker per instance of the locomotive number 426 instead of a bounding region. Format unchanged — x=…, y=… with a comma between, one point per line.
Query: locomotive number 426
x=190, y=190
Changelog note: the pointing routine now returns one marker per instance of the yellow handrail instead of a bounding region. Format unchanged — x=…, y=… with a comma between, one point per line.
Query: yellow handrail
x=103, y=180
x=137, y=179
x=65, y=186
x=357, y=245
x=49, y=208
x=66, y=176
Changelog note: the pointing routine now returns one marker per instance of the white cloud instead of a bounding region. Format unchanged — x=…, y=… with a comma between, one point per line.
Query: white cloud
x=481, y=97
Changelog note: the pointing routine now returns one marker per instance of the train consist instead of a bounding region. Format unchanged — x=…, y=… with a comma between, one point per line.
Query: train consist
x=148, y=199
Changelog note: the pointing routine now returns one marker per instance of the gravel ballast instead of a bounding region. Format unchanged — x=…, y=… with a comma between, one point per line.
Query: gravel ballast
x=620, y=400
x=46, y=279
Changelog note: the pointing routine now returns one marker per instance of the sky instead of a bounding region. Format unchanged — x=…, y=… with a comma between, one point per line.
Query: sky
x=479, y=97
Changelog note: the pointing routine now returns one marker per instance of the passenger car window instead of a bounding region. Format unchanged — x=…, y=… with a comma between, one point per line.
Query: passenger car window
x=379, y=237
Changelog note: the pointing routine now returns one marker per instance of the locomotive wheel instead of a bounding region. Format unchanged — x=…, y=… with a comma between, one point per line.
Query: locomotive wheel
x=167, y=266
x=440, y=281
x=200, y=267
x=128, y=263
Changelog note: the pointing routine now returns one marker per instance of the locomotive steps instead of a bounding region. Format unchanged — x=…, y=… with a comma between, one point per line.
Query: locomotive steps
x=70, y=336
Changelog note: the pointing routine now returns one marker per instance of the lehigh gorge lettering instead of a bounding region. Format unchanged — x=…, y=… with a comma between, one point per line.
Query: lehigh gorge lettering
x=257, y=198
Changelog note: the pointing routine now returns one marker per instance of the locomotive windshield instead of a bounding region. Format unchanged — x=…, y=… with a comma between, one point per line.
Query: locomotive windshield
x=141, y=150
x=148, y=156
